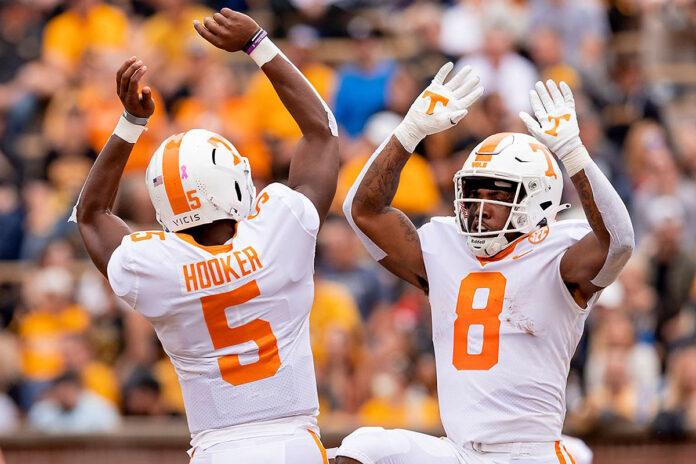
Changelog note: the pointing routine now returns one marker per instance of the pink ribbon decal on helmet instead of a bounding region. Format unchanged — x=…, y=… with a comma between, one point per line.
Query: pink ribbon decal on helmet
x=183, y=172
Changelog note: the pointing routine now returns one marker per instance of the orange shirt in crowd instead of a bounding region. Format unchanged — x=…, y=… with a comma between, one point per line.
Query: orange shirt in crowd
x=417, y=192
x=101, y=379
x=269, y=112
x=41, y=333
x=69, y=35
x=102, y=114
x=232, y=119
x=333, y=308
x=171, y=36
x=414, y=410
x=172, y=398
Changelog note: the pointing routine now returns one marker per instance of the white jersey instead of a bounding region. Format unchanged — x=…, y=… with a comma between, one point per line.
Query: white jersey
x=504, y=331
x=233, y=318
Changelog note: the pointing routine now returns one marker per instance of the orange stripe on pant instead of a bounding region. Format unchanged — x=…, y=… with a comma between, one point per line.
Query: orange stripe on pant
x=570, y=456
x=172, y=176
x=559, y=455
x=321, y=447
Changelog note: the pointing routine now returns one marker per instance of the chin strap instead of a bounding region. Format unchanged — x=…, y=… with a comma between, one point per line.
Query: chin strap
x=496, y=245
x=491, y=246
x=559, y=208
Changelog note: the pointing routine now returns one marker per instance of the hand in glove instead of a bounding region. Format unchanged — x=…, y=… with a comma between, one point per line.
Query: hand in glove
x=439, y=107
x=556, y=125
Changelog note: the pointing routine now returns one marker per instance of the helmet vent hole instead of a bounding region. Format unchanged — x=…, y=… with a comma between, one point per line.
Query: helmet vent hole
x=545, y=205
x=214, y=149
x=239, y=191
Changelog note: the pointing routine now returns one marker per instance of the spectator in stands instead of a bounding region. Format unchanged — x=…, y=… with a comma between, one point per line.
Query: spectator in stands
x=337, y=345
x=685, y=144
x=461, y=31
x=627, y=99
x=68, y=408
x=11, y=223
x=616, y=402
x=361, y=89
x=496, y=62
x=639, y=299
x=671, y=269
x=51, y=317
x=142, y=396
x=340, y=256
x=664, y=188
x=633, y=378
x=20, y=33
x=583, y=27
x=677, y=414
x=395, y=403
x=9, y=374
x=422, y=20
x=95, y=376
x=44, y=220
x=546, y=49
x=464, y=23
x=168, y=34
x=85, y=25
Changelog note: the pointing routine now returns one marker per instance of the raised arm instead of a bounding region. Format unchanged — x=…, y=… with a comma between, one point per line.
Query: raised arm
x=597, y=259
x=387, y=233
x=101, y=230
x=314, y=166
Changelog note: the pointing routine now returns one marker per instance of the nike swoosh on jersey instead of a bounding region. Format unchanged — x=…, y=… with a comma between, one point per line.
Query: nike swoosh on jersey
x=519, y=256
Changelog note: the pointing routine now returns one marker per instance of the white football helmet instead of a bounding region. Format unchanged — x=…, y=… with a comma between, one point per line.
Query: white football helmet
x=198, y=177
x=519, y=164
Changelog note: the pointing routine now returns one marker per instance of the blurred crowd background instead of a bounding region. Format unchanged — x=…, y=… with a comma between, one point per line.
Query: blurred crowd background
x=73, y=358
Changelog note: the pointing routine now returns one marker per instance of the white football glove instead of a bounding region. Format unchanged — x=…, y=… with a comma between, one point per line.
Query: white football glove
x=439, y=107
x=557, y=125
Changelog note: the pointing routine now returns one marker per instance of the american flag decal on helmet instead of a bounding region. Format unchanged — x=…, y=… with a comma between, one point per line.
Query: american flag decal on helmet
x=157, y=181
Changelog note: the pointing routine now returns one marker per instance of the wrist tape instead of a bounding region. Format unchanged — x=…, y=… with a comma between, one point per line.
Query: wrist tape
x=260, y=48
x=128, y=131
x=576, y=160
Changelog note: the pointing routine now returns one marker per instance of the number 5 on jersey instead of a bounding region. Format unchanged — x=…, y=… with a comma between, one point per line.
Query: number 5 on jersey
x=479, y=303
x=222, y=335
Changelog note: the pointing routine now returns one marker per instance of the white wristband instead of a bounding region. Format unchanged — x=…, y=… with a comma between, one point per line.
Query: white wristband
x=264, y=52
x=576, y=160
x=407, y=136
x=128, y=131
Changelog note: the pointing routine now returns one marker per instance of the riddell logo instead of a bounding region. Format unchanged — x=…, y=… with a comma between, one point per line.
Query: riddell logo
x=190, y=219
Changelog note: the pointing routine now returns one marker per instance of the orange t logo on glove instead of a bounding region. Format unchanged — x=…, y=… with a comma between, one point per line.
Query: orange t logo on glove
x=557, y=122
x=434, y=99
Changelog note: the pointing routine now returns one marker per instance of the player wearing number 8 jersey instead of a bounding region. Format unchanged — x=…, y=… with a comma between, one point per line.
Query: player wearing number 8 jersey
x=509, y=287
x=228, y=283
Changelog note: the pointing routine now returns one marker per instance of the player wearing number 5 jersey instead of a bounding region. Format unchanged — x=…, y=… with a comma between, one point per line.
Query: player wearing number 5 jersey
x=509, y=287
x=228, y=283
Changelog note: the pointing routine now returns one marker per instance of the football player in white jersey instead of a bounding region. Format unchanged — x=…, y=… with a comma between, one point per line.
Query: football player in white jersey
x=509, y=287
x=228, y=283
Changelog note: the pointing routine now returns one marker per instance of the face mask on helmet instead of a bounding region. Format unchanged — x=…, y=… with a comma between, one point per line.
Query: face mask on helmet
x=487, y=207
